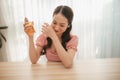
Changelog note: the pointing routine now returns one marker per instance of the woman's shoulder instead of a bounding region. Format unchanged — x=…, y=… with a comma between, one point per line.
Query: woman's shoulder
x=41, y=40
x=73, y=42
x=74, y=37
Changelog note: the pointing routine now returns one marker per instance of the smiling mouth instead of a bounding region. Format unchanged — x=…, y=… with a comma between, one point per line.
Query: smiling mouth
x=56, y=31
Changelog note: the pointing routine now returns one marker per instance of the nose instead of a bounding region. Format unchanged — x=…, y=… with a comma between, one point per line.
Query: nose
x=56, y=28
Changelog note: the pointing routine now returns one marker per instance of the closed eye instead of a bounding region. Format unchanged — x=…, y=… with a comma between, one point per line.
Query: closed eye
x=54, y=23
x=62, y=25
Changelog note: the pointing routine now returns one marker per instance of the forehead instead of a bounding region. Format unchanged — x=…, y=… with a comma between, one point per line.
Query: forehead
x=60, y=18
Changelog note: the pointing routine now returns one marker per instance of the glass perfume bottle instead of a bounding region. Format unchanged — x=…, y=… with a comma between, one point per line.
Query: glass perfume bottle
x=30, y=30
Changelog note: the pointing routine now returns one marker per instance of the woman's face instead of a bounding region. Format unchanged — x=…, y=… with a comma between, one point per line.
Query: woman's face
x=59, y=24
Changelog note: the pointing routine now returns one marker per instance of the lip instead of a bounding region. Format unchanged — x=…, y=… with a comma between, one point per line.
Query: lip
x=56, y=31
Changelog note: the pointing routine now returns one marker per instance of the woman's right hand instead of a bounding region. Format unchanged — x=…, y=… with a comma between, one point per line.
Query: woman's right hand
x=28, y=27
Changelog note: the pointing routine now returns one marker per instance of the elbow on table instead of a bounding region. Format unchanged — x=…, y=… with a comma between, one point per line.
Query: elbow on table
x=68, y=65
x=33, y=62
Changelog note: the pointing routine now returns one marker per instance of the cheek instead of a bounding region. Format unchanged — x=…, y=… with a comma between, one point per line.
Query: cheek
x=52, y=25
x=63, y=29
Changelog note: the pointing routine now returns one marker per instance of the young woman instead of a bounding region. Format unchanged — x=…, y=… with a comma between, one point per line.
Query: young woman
x=55, y=42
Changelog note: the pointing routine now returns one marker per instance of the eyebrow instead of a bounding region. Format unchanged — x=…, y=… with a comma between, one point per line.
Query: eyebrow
x=56, y=21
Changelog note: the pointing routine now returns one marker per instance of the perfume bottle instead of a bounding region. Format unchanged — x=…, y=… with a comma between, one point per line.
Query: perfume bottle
x=30, y=30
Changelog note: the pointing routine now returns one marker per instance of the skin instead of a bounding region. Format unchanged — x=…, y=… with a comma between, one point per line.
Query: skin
x=54, y=31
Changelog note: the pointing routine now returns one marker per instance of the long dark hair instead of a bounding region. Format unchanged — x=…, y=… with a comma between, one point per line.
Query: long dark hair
x=68, y=13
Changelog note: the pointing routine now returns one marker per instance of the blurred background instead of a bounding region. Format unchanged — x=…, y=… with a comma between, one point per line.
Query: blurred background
x=96, y=23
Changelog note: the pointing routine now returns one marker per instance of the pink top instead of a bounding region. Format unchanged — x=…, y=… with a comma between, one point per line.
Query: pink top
x=51, y=54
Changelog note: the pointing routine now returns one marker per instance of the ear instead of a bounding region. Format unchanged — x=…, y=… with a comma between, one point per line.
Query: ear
x=68, y=26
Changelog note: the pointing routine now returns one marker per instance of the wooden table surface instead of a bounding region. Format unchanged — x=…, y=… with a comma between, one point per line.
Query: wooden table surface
x=97, y=69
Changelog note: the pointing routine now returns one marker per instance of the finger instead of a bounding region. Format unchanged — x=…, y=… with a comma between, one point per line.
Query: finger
x=26, y=20
x=43, y=25
x=25, y=30
x=43, y=31
x=43, y=28
x=25, y=24
x=28, y=25
x=46, y=24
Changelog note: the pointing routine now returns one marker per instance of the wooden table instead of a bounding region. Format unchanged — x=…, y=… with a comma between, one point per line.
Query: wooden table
x=97, y=69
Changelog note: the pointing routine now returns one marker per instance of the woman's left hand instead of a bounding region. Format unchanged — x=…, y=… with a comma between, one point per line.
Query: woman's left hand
x=48, y=30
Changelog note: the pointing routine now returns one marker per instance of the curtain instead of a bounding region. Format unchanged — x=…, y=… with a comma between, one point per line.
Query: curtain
x=96, y=23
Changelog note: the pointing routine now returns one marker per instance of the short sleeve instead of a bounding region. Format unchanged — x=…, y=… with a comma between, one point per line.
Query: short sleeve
x=41, y=40
x=73, y=43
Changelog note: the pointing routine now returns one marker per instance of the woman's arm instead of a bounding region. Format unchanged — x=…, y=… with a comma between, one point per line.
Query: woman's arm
x=65, y=56
x=34, y=53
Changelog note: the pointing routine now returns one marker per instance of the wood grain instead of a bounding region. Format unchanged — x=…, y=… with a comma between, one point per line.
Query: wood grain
x=96, y=69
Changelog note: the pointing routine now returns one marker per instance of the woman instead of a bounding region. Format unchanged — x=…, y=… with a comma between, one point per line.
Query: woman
x=55, y=42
